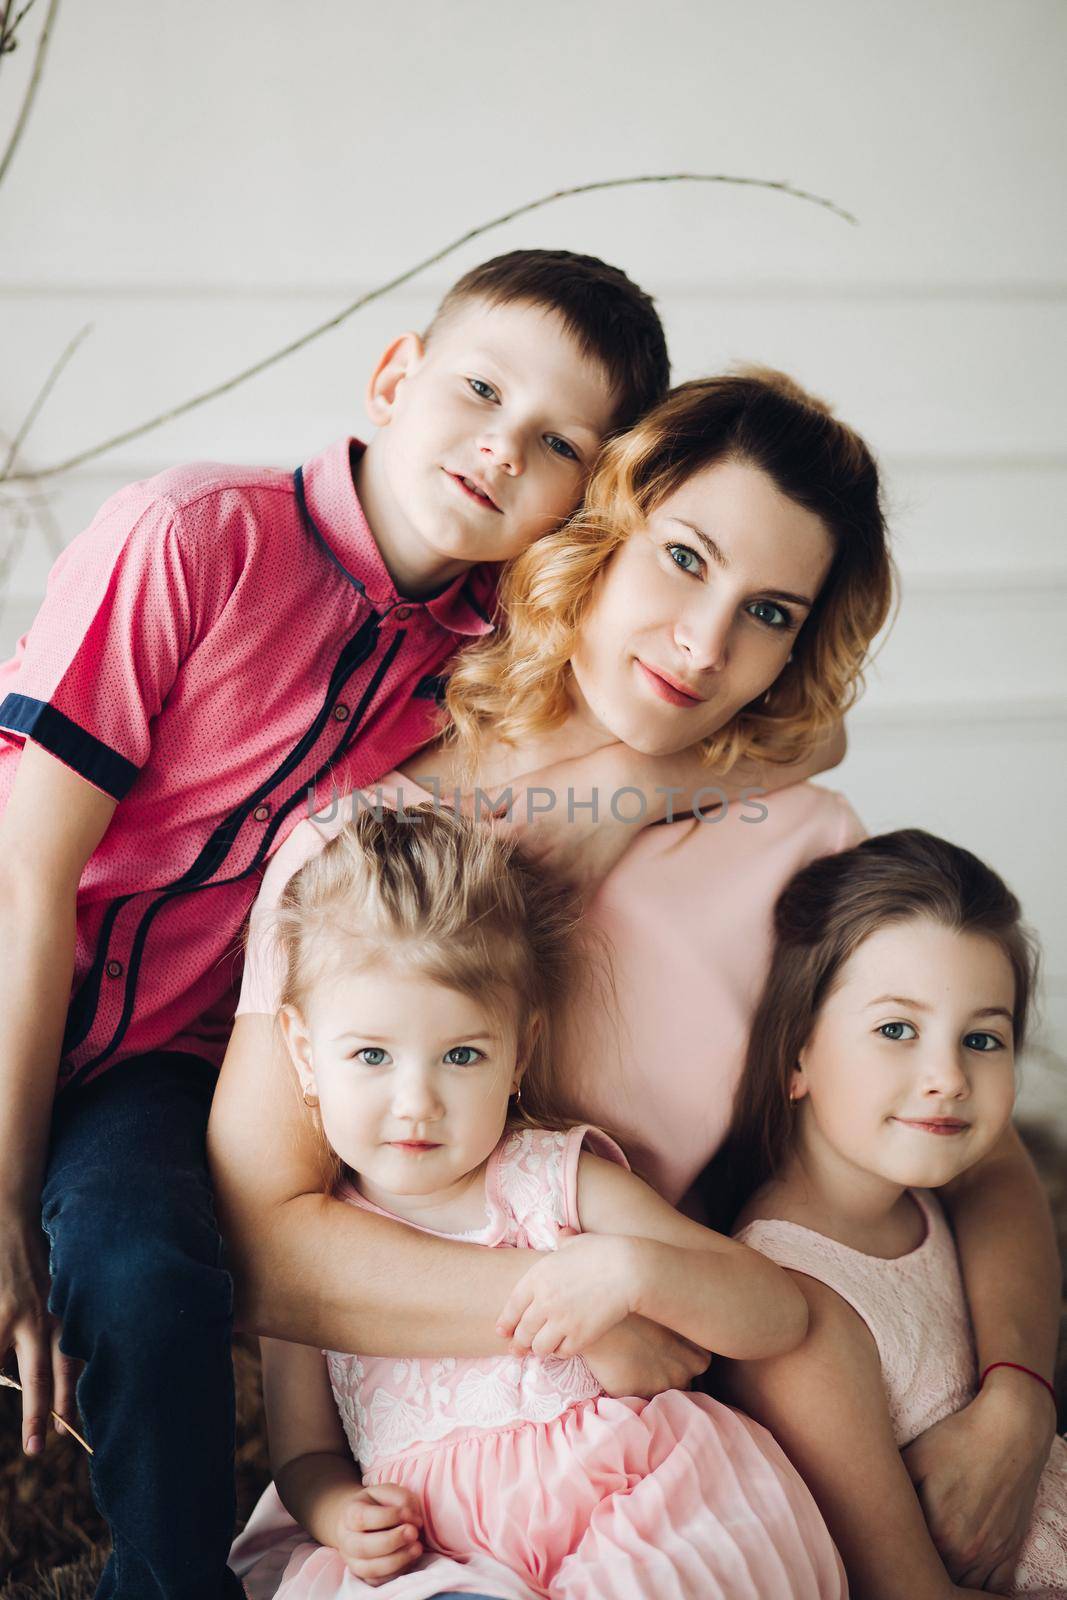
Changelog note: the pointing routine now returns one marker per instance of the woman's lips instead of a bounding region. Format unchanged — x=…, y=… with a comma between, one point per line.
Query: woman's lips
x=666, y=690
x=944, y=1126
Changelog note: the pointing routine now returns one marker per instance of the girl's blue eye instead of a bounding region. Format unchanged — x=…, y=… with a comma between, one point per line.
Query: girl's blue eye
x=983, y=1042
x=372, y=1056
x=684, y=550
x=770, y=613
x=483, y=390
x=564, y=449
x=897, y=1030
x=463, y=1055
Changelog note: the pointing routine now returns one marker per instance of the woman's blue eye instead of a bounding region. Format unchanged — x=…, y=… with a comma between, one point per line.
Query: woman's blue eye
x=372, y=1056
x=983, y=1042
x=463, y=1055
x=564, y=449
x=897, y=1030
x=770, y=613
x=673, y=550
x=483, y=390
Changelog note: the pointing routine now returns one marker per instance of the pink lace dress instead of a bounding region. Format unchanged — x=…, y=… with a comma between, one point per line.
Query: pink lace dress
x=915, y=1309
x=533, y=1483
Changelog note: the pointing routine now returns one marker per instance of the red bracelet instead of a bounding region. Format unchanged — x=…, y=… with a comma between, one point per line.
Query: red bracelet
x=1017, y=1367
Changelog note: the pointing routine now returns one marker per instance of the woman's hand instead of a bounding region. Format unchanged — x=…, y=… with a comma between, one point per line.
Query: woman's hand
x=572, y=1297
x=976, y=1475
x=47, y=1377
x=378, y=1532
x=640, y=1359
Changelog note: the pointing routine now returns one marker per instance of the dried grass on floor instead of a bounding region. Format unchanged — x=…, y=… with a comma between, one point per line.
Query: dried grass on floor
x=52, y=1542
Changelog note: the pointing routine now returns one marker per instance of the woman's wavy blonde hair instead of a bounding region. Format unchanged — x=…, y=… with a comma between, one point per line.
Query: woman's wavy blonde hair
x=513, y=685
x=454, y=900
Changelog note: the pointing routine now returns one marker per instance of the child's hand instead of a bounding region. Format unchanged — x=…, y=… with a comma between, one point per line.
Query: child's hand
x=572, y=1297
x=378, y=1531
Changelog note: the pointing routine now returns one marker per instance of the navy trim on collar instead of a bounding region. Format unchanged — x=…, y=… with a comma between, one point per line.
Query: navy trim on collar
x=309, y=524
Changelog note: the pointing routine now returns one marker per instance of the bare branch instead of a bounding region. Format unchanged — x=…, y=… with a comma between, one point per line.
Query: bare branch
x=404, y=277
x=31, y=87
x=9, y=25
x=42, y=395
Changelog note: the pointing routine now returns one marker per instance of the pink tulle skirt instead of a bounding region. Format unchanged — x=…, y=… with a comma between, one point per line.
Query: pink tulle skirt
x=675, y=1498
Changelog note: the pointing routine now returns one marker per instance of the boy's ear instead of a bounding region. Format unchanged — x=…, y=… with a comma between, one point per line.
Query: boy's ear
x=396, y=363
x=298, y=1044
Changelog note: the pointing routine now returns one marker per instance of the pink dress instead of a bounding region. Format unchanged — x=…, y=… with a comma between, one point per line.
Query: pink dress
x=534, y=1483
x=917, y=1314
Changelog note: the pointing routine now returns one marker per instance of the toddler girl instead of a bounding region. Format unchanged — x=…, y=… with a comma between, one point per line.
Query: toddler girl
x=425, y=960
x=880, y=1067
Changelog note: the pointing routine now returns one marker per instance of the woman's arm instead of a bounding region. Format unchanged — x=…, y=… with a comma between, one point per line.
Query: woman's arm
x=375, y=1530
x=638, y=1256
x=317, y=1271
x=977, y=1472
x=825, y=1405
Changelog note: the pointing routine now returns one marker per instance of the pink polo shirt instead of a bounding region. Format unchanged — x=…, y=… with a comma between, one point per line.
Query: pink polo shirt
x=219, y=640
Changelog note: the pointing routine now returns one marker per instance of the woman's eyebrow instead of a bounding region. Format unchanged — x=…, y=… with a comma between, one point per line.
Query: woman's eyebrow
x=720, y=560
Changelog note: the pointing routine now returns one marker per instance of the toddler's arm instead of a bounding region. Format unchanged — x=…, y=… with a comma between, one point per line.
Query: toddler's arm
x=638, y=1256
x=825, y=1404
x=375, y=1530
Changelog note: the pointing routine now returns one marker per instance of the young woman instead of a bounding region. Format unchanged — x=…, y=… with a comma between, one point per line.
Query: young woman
x=719, y=593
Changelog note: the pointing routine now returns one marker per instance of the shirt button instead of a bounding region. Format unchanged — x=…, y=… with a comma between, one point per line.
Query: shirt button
x=340, y=713
x=114, y=969
x=261, y=813
x=402, y=613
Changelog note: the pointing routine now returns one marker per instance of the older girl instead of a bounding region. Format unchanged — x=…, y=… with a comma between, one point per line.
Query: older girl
x=720, y=592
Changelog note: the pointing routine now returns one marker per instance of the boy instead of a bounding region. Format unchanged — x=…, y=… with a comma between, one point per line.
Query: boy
x=219, y=640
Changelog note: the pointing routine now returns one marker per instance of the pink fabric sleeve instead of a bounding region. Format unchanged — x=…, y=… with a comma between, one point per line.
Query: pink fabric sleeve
x=263, y=975
x=123, y=609
x=584, y=1137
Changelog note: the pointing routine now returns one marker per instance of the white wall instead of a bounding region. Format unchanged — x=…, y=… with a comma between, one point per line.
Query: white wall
x=204, y=182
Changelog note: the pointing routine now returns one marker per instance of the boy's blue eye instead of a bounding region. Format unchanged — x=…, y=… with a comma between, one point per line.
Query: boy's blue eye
x=897, y=1030
x=684, y=551
x=560, y=447
x=483, y=390
x=462, y=1055
x=770, y=613
x=372, y=1055
x=984, y=1042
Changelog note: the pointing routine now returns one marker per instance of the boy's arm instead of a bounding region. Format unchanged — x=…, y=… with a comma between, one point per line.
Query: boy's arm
x=580, y=816
x=978, y=1471
x=53, y=822
x=318, y=1271
x=825, y=1404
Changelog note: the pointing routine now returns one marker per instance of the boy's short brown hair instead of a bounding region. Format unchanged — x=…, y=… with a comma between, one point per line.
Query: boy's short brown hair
x=603, y=310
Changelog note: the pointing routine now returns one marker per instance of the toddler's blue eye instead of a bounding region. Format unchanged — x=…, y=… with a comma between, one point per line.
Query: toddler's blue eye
x=897, y=1030
x=371, y=1055
x=983, y=1042
x=564, y=449
x=684, y=550
x=770, y=613
x=462, y=1055
x=483, y=390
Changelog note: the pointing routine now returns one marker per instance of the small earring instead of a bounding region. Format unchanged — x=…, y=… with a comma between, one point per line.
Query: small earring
x=518, y=1094
x=310, y=1099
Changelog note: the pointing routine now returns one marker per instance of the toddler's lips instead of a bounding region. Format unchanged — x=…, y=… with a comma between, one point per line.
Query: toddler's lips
x=413, y=1147
x=474, y=491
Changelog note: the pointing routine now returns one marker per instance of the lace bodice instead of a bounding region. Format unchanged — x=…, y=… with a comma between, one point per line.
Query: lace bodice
x=390, y=1406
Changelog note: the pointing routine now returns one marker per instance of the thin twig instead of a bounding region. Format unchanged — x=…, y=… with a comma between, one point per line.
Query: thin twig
x=42, y=395
x=13, y=1383
x=31, y=88
x=7, y=31
x=405, y=277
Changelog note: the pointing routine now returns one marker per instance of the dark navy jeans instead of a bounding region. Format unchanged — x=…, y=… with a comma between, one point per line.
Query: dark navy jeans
x=139, y=1284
